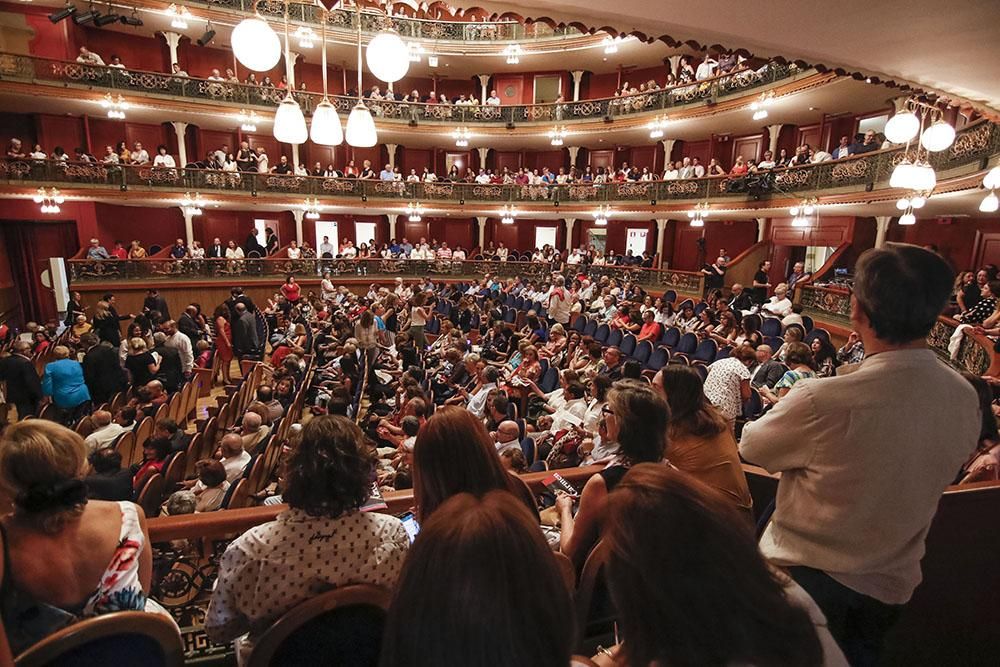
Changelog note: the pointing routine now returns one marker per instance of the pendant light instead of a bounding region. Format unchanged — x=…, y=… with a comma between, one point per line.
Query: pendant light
x=289, y=123
x=326, y=129
x=256, y=45
x=360, y=124
x=388, y=56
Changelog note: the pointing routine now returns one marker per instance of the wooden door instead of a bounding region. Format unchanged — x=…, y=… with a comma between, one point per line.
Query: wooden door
x=748, y=147
x=986, y=249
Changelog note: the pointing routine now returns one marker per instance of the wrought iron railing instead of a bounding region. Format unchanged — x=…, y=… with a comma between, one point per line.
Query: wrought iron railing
x=422, y=29
x=167, y=269
x=115, y=80
x=973, y=144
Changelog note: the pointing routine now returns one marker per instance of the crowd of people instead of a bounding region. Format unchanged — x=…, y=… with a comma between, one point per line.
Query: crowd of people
x=456, y=410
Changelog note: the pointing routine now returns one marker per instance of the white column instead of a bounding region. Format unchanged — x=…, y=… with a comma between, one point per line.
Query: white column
x=292, y=59
x=881, y=229
x=392, y=217
x=481, y=219
x=761, y=228
x=484, y=83
x=483, y=152
x=675, y=62
x=661, y=228
x=295, y=156
x=773, y=131
x=188, y=225
x=573, y=152
x=173, y=39
x=570, y=222
x=668, y=148
x=299, y=214
x=577, y=79
x=180, y=127
x=391, y=150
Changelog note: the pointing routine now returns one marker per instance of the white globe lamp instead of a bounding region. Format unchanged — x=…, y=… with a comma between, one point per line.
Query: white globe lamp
x=990, y=203
x=256, y=45
x=388, y=56
x=902, y=127
x=289, y=123
x=361, y=127
x=992, y=180
x=908, y=219
x=326, y=129
x=901, y=176
x=938, y=136
x=923, y=178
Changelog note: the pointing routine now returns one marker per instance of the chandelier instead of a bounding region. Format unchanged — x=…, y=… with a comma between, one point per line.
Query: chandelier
x=461, y=135
x=601, y=215
x=698, y=214
x=415, y=211
x=415, y=52
x=248, y=120
x=914, y=171
x=49, y=199
x=513, y=53
x=990, y=203
x=326, y=129
x=759, y=106
x=557, y=135
x=305, y=36
x=508, y=214
x=192, y=205
x=656, y=127
x=610, y=45
x=178, y=16
x=312, y=207
x=116, y=106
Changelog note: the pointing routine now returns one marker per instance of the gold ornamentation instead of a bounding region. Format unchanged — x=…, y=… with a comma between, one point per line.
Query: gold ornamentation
x=850, y=170
x=971, y=143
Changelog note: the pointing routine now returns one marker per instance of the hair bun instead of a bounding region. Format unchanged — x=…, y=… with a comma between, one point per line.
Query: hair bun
x=54, y=496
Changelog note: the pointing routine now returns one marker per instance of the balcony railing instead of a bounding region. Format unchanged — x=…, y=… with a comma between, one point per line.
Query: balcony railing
x=974, y=143
x=167, y=269
x=420, y=29
x=37, y=70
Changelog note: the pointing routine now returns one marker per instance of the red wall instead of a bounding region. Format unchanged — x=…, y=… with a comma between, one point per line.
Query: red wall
x=960, y=240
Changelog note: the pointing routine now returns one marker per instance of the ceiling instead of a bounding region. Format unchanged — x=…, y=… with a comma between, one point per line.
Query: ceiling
x=949, y=47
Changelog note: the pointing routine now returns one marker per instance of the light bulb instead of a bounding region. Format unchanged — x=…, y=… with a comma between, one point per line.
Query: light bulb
x=256, y=45
x=901, y=177
x=360, y=131
x=289, y=123
x=388, y=56
x=698, y=222
x=903, y=204
x=326, y=128
x=902, y=127
x=794, y=211
x=807, y=210
x=907, y=219
x=938, y=136
x=918, y=201
x=990, y=203
x=992, y=179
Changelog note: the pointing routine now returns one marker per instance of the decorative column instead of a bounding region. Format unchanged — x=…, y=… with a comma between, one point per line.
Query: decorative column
x=773, y=131
x=573, y=152
x=577, y=79
x=668, y=148
x=570, y=222
x=391, y=150
x=484, y=83
x=881, y=229
x=661, y=228
x=483, y=152
x=392, y=217
x=292, y=59
x=180, y=127
x=173, y=39
x=188, y=224
x=761, y=228
x=481, y=219
x=299, y=214
x=675, y=62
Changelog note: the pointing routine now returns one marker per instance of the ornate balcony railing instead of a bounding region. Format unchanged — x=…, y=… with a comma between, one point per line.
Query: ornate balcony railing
x=974, y=143
x=37, y=70
x=419, y=29
x=168, y=269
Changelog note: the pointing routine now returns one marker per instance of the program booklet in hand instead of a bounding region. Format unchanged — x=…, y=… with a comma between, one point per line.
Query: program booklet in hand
x=556, y=482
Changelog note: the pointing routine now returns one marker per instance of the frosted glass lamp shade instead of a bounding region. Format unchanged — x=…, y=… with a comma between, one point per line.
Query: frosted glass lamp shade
x=256, y=45
x=289, y=123
x=361, y=127
x=326, y=129
x=902, y=127
x=388, y=56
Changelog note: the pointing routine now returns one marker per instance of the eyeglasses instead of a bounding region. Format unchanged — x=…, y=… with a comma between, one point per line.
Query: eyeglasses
x=605, y=410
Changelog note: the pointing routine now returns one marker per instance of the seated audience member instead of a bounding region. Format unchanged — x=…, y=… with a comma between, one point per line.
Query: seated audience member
x=154, y=459
x=636, y=417
x=799, y=360
x=234, y=457
x=779, y=305
x=453, y=454
x=768, y=371
x=824, y=357
x=837, y=444
x=169, y=430
x=475, y=549
x=211, y=487
x=66, y=558
x=699, y=440
x=728, y=382
x=105, y=432
x=328, y=478
x=984, y=464
x=853, y=351
x=265, y=395
x=107, y=480
x=793, y=334
x=252, y=432
x=663, y=582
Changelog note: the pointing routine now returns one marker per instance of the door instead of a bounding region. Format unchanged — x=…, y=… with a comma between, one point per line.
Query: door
x=460, y=160
x=545, y=236
x=748, y=147
x=635, y=240
x=598, y=238
x=327, y=228
x=547, y=88
x=987, y=249
x=600, y=159
x=510, y=88
x=364, y=232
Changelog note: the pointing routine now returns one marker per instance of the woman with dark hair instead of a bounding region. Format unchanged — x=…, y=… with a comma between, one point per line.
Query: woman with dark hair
x=223, y=342
x=454, y=454
x=480, y=569
x=154, y=459
x=799, y=359
x=291, y=290
x=700, y=441
x=984, y=464
x=824, y=357
x=749, y=332
x=66, y=557
x=636, y=417
x=322, y=541
x=695, y=590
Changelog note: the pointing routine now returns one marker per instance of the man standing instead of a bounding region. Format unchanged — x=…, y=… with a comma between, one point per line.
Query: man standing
x=715, y=275
x=866, y=456
x=24, y=389
x=189, y=326
x=155, y=302
x=558, y=305
x=102, y=371
x=244, y=326
x=326, y=249
x=798, y=273
x=761, y=283
x=171, y=374
x=182, y=344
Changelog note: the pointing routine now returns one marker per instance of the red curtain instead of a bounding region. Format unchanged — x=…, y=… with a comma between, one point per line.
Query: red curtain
x=30, y=244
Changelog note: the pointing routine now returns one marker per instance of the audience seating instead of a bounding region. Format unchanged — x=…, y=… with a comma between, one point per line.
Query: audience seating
x=770, y=327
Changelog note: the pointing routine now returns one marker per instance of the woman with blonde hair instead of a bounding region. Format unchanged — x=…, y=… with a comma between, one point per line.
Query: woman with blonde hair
x=67, y=558
x=136, y=251
x=106, y=324
x=141, y=364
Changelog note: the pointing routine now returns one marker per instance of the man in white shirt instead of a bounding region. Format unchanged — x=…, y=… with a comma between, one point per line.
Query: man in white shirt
x=865, y=457
x=477, y=400
x=215, y=76
x=507, y=436
x=697, y=168
x=493, y=100
x=558, y=301
x=88, y=57
x=686, y=170
x=139, y=154
x=105, y=433
x=386, y=174
x=483, y=178
x=706, y=70
x=181, y=343
x=326, y=247
x=234, y=457
x=349, y=251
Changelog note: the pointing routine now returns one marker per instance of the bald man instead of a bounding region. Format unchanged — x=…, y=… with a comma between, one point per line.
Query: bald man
x=507, y=436
x=768, y=371
x=253, y=431
x=105, y=431
x=234, y=457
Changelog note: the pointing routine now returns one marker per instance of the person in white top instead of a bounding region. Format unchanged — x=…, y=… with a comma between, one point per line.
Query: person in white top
x=559, y=301
x=697, y=169
x=234, y=457
x=779, y=305
x=88, y=57
x=865, y=457
x=139, y=154
x=706, y=70
x=502, y=252
x=493, y=100
x=164, y=159
x=262, y=161
x=507, y=436
x=105, y=433
x=294, y=251
x=349, y=251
